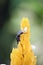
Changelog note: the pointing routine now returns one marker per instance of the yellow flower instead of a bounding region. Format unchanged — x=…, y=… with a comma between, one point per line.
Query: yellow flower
x=23, y=54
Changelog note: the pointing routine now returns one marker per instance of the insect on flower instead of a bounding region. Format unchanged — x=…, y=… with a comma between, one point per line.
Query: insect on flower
x=18, y=36
x=19, y=33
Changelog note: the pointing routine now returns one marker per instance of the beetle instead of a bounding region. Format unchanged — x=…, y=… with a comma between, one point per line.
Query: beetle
x=19, y=33
x=18, y=36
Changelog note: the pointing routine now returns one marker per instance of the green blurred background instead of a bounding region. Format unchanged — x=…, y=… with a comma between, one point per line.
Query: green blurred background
x=11, y=14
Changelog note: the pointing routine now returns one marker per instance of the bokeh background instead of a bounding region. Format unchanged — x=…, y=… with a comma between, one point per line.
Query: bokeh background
x=11, y=14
